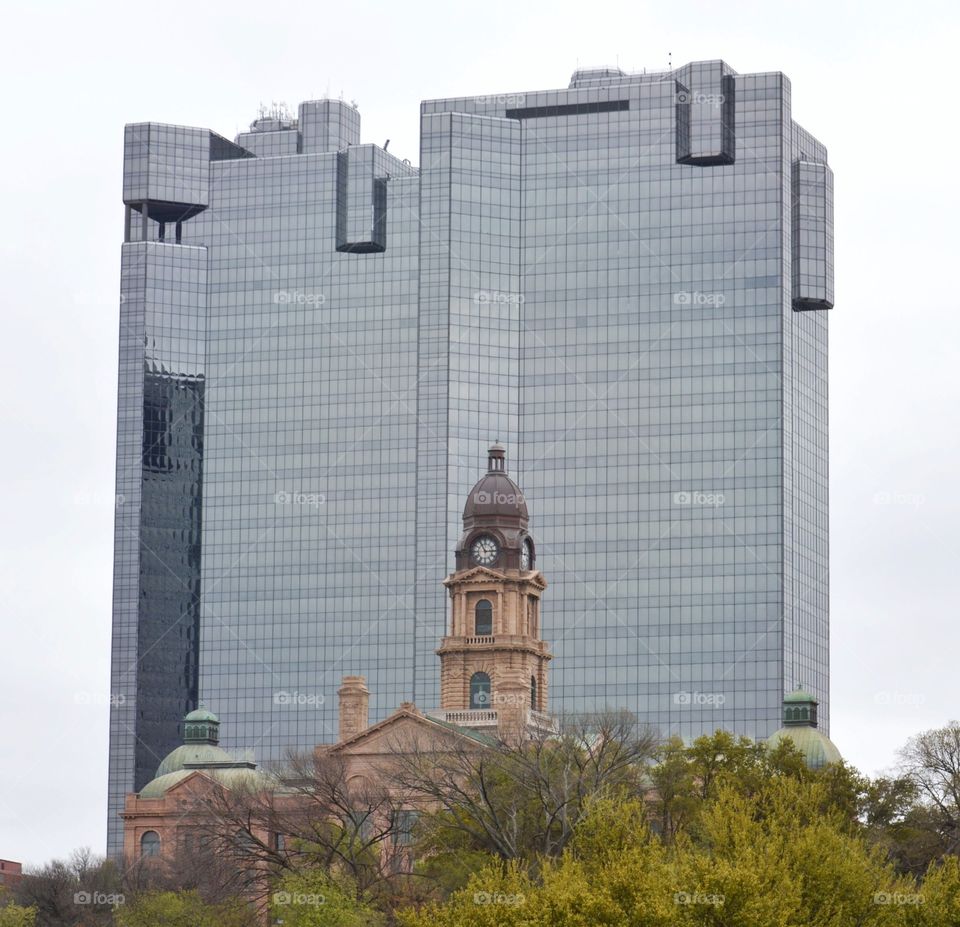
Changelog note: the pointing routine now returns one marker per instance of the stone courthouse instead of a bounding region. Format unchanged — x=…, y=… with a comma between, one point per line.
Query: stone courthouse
x=493, y=686
x=493, y=680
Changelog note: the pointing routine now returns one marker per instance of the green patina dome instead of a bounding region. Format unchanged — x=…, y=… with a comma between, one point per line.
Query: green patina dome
x=201, y=734
x=155, y=788
x=202, y=754
x=818, y=750
x=199, y=752
x=800, y=728
x=231, y=777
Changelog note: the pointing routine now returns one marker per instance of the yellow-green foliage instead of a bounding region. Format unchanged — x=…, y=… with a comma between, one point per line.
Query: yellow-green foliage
x=13, y=915
x=181, y=909
x=314, y=899
x=775, y=858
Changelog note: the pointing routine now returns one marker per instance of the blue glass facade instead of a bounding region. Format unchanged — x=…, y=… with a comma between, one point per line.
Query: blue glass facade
x=624, y=282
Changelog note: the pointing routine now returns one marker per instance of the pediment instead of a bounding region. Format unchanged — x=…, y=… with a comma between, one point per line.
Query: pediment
x=404, y=726
x=196, y=781
x=485, y=574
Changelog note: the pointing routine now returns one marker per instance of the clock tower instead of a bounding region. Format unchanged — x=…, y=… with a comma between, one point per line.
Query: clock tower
x=493, y=662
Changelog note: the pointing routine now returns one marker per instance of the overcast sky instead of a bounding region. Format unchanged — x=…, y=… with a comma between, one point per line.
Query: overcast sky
x=876, y=82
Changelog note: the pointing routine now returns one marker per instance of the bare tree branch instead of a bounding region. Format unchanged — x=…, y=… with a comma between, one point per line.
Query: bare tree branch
x=520, y=798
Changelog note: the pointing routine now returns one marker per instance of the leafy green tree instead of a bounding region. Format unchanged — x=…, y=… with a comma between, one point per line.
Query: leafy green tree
x=612, y=873
x=448, y=868
x=937, y=902
x=772, y=857
x=684, y=777
x=315, y=899
x=183, y=909
x=931, y=763
x=893, y=817
x=15, y=915
x=887, y=801
x=674, y=801
x=723, y=758
x=784, y=856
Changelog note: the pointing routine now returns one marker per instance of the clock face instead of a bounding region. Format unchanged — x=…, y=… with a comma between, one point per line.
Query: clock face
x=484, y=550
x=526, y=555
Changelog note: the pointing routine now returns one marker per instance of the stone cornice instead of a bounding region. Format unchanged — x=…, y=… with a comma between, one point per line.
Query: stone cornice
x=498, y=643
x=481, y=576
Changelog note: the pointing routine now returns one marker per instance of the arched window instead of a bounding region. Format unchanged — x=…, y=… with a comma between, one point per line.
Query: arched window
x=480, y=691
x=150, y=844
x=533, y=692
x=483, y=618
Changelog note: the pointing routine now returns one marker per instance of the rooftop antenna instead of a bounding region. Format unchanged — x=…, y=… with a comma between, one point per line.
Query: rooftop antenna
x=670, y=60
x=386, y=144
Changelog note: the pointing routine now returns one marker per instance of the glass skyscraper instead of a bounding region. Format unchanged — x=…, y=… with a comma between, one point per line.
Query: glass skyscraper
x=623, y=282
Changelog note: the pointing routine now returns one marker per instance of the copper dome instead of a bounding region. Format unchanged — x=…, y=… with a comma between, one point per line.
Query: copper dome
x=495, y=495
x=496, y=510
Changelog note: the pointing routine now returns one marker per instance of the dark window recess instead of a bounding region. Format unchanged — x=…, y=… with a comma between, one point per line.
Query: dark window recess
x=150, y=844
x=480, y=696
x=569, y=109
x=483, y=618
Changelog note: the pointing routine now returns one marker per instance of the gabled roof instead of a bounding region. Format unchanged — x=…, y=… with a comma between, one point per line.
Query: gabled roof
x=406, y=717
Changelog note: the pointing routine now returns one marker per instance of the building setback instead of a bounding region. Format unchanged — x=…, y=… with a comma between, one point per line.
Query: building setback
x=623, y=282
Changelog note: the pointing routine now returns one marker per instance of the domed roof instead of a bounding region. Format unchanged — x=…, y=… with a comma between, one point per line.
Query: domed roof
x=231, y=777
x=192, y=754
x=818, y=750
x=159, y=785
x=800, y=727
x=198, y=752
x=495, y=495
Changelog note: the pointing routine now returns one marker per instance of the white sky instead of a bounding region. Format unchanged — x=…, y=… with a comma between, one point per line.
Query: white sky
x=874, y=81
